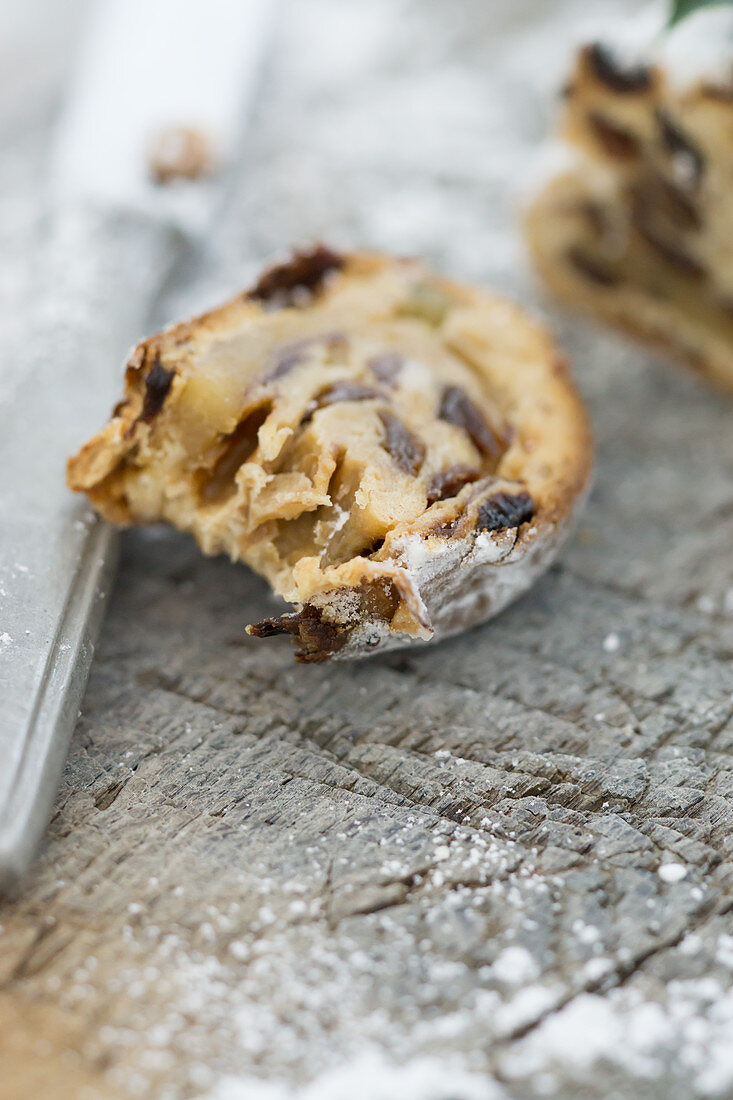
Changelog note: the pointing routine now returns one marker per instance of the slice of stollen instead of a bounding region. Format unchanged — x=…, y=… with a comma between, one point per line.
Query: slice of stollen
x=636, y=224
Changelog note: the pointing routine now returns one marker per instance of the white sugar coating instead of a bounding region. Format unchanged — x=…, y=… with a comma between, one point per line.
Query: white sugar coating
x=595, y=969
x=316, y=976
x=672, y=872
x=724, y=951
x=691, y=944
x=291, y=969
x=691, y=1022
x=450, y=581
x=5, y=640
x=578, y=1034
x=526, y=1006
x=369, y=1076
x=586, y=933
x=632, y=35
x=515, y=965
x=699, y=48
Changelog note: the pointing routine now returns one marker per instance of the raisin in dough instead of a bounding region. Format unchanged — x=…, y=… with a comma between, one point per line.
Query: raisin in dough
x=397, y=454
x=636, y=227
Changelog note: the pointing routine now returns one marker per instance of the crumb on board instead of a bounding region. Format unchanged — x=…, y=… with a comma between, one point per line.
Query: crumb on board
x=179, y=153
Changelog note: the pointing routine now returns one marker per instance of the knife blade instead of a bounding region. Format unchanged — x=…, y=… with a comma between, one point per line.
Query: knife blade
x=146, y=68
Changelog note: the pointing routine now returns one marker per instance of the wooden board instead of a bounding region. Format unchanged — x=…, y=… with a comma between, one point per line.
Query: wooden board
x=497, y=868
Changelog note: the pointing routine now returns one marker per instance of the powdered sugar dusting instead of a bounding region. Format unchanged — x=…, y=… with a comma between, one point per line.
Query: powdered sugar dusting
x=699, y=48
x=370, y=1077
x=690, y=1026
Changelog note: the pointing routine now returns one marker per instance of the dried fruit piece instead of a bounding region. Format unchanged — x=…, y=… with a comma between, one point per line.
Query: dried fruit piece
x=620, y=78
x=344, y=390
x=595, y=270
x=690, y=161
x=157, y=385
x=386, y=367
x=448, y=483
x=406, y=450
x=615, y=140
x=316, y=638
x=290, y=356
x=457, y=408
x=301, y=276
x=426, y=302
x=233, y=451
x=659, y=201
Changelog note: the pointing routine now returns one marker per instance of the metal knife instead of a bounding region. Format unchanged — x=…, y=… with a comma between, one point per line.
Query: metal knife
x=161, y=79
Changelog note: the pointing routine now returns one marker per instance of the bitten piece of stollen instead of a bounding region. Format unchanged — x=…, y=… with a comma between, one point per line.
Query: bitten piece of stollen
x=398, y=455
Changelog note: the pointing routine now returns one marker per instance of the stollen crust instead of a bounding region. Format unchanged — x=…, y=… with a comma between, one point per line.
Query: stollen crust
x=398, y=454
x=634, y=224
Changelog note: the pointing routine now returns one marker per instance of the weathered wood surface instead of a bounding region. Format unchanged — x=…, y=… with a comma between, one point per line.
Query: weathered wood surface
x=499, y=868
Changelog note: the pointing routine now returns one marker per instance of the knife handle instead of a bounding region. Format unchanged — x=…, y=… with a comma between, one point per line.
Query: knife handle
x=97, y=276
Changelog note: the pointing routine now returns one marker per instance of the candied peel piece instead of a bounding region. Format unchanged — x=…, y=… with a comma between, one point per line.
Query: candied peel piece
x=397, y=454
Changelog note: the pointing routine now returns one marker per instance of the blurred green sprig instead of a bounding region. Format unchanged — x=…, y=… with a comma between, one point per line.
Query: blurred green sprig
x=682, y=8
